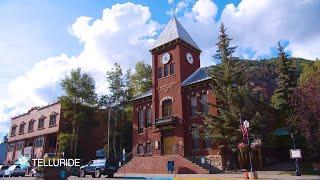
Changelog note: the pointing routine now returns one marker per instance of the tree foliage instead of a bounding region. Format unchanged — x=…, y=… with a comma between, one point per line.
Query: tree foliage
x=305, y=102
x=227, y=84
x=117, y=100
x=79, y=104
x=287, y=78
x=141, y=79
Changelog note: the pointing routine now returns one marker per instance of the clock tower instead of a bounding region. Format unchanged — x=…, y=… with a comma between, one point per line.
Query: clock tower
x=175, y=56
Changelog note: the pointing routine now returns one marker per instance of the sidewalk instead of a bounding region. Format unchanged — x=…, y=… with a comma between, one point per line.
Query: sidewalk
x=261, y=174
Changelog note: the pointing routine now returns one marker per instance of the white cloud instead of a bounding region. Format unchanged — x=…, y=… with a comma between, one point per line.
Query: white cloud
x=258, y=25
x=200, y=24
x=123, y=34
x=204, y=11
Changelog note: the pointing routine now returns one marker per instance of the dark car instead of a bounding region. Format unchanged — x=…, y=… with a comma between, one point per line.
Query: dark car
x=98, y=167
x=15, y=171
x=2, y=169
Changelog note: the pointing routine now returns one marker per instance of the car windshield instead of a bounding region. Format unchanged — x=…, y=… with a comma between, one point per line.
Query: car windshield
x=12, y=167
x=4, y=167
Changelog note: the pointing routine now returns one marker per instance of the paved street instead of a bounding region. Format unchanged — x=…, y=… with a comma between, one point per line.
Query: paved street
x=269, y=175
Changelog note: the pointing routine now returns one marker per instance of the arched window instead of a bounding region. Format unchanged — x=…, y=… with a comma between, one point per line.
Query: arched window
x=166, y=108
x=171, y=68
x=166, y=70
x=159, y=73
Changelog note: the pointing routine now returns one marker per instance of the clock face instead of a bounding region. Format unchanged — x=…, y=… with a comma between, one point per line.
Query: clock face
x=189, y=58
x=165, y=58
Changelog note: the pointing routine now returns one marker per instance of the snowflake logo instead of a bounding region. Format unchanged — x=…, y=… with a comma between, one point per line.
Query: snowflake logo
x=23, y=161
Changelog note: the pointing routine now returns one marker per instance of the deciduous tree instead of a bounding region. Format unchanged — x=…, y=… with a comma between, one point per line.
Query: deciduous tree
x=141, y=79
x=79, y=103
x=305, y=102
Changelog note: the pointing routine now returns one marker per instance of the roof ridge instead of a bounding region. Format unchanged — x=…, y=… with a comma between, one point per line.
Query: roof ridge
x=172, y=31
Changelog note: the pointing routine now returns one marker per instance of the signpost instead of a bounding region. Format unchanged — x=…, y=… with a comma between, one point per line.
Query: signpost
x=295, y=154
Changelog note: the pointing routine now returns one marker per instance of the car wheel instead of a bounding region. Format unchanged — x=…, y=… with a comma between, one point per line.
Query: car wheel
x=82, y=173
x=97, y=173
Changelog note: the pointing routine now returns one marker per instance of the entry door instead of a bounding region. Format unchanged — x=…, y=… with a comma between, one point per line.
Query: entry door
x=168, y=145
x=168, y=142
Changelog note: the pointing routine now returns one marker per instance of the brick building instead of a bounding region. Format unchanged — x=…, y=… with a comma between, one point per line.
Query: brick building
x=35, y=133
x=166, y=117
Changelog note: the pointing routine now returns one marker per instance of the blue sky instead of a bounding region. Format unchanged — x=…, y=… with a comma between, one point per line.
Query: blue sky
x=42, y=40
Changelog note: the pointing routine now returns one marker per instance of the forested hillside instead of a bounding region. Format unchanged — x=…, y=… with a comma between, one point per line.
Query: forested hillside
x=262, y=75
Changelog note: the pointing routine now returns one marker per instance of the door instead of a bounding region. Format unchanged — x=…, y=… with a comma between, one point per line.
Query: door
x=168, y=145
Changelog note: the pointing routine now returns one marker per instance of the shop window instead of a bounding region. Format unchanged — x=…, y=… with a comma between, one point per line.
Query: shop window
x=11, y=147
x=39, y=142
x=193, y=102
x=19, y=145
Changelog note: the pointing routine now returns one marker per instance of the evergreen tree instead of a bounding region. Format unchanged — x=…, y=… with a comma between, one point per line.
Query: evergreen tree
x=227, y=84
x=287, y=79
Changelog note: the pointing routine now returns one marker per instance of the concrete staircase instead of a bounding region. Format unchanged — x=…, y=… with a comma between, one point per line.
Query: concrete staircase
x=158, y=165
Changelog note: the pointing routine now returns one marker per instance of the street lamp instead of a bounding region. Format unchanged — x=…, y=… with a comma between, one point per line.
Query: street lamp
x=247, y=125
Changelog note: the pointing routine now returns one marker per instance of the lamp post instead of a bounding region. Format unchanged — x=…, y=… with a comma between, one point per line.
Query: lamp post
x=247, y=125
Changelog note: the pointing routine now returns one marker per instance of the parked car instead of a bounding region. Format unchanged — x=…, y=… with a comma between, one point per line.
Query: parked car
x=73, y=171
x=98, y=167
x=15, y=171
x=2, y=169
x=35, y=172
